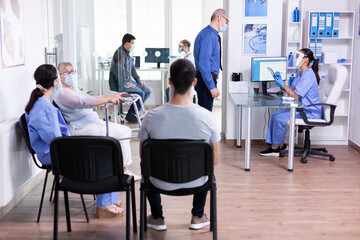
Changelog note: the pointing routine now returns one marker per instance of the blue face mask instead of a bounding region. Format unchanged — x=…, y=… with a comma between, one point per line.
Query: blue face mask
x=179, y=50
x=70, y=79
x=132, y=47
x=223, y=28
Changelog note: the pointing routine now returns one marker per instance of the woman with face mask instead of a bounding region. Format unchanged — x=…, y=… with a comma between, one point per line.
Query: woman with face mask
x=304, y=89
x=44, y=121
x=77, y=109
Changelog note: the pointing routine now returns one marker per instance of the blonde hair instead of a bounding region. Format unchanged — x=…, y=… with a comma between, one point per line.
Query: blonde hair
x=62, y=65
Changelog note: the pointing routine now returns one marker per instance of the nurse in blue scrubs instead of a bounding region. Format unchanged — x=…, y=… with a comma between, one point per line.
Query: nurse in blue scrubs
x=45, y=122
x=304, y=89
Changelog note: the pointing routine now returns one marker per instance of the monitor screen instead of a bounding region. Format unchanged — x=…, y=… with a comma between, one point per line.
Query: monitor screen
x=260, y=65
x=157, y=55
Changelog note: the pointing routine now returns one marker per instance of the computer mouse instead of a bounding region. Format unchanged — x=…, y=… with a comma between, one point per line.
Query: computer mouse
x=280, y=93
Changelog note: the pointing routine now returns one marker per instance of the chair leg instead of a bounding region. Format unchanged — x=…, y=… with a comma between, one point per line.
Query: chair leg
x=67, y=211
x=142, y=212
x=304, y=156
x=211, y=210
x=52, y=190
x=128, y=213
x=56, y=214
x=42, y=195
x=133, y=203
x=94, y=197
x=84, y=207
x=145, y=211
x=213, y=221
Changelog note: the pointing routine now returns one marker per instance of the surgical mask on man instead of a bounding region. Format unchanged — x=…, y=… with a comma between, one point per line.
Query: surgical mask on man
x=70, y=79
x=132, y=47
x=180, y=50
x=223, y=28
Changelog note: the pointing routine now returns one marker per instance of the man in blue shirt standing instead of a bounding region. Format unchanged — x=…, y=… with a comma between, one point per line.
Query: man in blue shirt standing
x=207, y=55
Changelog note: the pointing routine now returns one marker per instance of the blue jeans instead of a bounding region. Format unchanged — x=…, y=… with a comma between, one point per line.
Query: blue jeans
x=143, y=92
x=199, y=201
x=107, y=199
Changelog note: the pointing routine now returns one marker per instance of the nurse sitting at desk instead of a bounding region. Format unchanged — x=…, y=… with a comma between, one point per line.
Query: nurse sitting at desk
x=304, y=89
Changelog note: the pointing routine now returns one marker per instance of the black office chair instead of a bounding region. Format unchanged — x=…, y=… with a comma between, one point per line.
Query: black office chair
x=90, y=165
x=330, y=91
x=47, y=168
x=177, y=161
x=25, y=133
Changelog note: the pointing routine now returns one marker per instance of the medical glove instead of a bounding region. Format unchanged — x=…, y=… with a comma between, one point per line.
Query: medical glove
x=278, y=80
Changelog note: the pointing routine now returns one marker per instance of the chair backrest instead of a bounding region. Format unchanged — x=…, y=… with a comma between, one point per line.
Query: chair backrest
x=177, y=161
x=331, y=89
x=86, y=159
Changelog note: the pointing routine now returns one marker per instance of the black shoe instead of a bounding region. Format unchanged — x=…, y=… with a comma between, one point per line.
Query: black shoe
x=131, y=118
x=284, y=147
x=270, y=152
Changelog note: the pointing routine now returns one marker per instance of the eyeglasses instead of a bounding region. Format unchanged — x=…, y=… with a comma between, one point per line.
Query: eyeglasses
x=68, y=73
x=227, y=20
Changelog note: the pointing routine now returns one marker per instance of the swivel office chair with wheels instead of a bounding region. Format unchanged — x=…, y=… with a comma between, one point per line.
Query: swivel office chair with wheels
x=330, y=91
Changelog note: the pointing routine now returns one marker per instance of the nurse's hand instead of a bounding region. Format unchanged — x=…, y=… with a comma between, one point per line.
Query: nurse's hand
x=278, y=80
x=215, y=92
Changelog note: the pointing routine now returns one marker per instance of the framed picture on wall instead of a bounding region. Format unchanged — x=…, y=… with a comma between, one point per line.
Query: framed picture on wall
x=12, y=33
x=256, y=8
x=255, y=39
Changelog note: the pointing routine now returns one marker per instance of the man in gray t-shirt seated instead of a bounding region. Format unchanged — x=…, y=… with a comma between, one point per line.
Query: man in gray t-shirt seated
x=180, y=119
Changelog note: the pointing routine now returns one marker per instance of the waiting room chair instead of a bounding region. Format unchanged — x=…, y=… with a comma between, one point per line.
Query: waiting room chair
x=25, y=133
x=90, y=165
x=177, y=161
x=330, y=91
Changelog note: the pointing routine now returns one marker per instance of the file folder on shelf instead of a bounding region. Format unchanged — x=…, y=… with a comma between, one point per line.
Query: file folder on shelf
x=312, y=46
x=336, y=24
x=318, y=50
x=322, y=24
x=328, y=24
x=314, y=23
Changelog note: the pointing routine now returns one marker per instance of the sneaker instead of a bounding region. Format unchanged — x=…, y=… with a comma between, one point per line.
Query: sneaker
x=131, y=118
x=157, y=224
x=199, y=222
x=270, y=152
x=130, y=173
x=284, y=147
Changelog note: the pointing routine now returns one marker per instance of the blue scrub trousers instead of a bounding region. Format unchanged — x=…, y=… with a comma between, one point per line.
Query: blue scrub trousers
x=277, y=127
x=204, y=96
x=107, y=199
x=144, y=93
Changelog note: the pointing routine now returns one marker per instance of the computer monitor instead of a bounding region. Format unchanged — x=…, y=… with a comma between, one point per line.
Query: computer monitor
x=157, y=55
x=261, y=73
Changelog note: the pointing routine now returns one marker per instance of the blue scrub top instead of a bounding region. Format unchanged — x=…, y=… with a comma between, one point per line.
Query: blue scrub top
x=45, y=122
x=305, y=85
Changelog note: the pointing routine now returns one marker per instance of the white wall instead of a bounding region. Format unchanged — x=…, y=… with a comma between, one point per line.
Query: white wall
x=354, y=133
x=16, y=83
x=236, y=62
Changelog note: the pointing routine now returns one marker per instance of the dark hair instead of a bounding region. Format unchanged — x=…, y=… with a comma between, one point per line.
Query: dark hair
x=127, y=38
x=185, y=42
x=45, y=76
x=315, y=66
x=182, y=73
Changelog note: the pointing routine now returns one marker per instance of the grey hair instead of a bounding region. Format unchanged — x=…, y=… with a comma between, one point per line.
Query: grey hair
x=216, y=13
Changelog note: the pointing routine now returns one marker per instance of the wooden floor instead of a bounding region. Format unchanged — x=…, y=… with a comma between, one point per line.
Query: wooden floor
x=319, y=200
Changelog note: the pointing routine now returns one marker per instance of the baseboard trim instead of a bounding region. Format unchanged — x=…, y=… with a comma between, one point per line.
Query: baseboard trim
x=354, y=145
x=22, y=193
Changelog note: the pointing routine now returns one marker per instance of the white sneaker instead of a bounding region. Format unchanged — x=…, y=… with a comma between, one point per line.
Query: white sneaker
x=136, y=177
x=199, y=222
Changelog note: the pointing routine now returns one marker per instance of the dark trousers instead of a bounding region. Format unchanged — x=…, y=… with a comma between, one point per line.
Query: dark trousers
x=204, y=96
x=156, y=207
x=144, y=93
